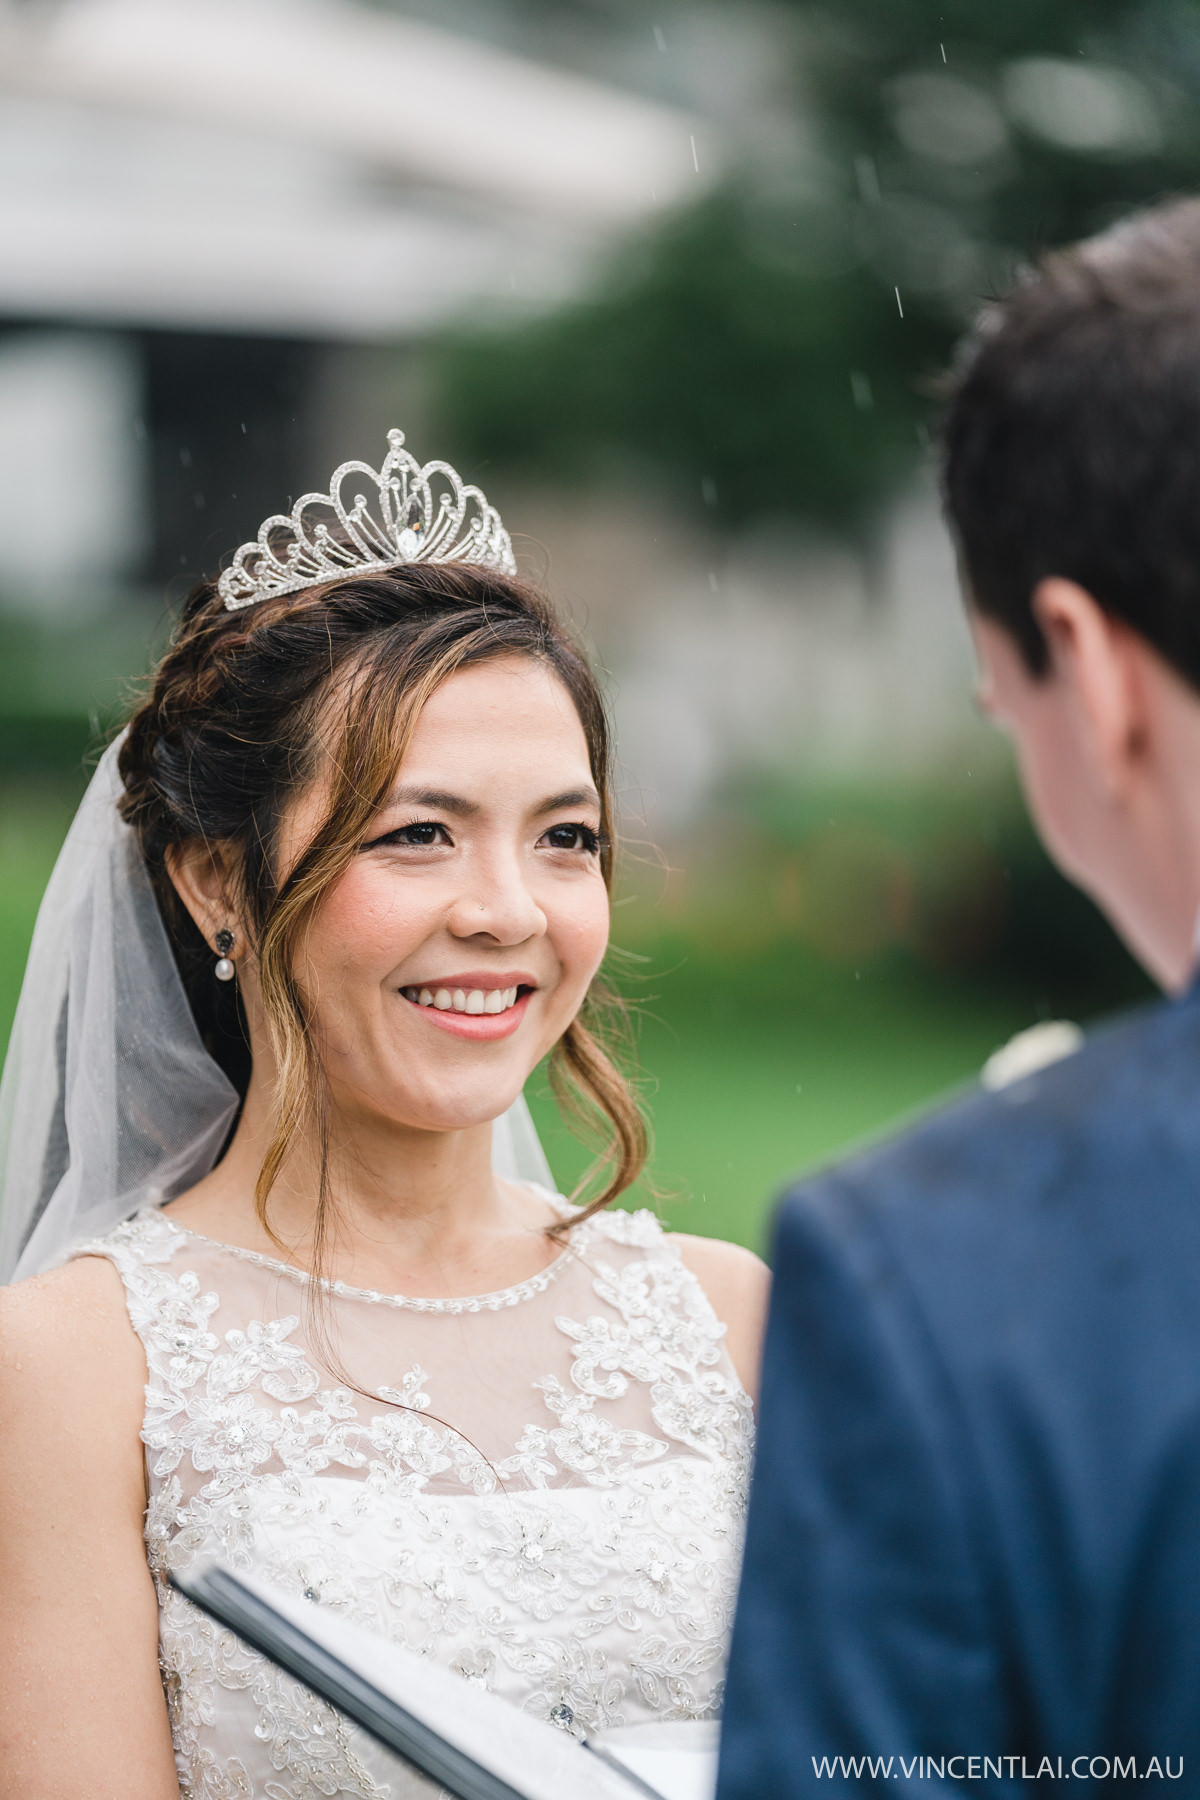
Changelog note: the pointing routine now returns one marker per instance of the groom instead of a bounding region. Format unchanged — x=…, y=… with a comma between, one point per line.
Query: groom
x=973, y=1555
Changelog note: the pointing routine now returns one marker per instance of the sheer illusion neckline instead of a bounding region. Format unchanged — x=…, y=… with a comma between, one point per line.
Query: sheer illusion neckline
x=495, y=1301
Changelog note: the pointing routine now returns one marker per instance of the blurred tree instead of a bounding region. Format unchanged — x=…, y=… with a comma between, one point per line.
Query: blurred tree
x=771, y=350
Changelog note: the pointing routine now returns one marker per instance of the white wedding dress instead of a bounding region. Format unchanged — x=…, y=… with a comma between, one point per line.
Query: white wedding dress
x=542, y=1488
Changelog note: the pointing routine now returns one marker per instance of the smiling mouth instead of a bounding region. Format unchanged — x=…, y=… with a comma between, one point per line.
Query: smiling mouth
x=473, y=1001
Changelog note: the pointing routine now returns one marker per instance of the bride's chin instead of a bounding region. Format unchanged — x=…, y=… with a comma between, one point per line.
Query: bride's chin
x=435, y=1112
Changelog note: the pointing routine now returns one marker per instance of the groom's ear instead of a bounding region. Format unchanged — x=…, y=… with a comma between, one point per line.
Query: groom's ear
x=1096, y=663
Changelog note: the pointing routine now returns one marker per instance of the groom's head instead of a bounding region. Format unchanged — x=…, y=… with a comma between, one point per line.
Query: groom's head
x=1072, y=483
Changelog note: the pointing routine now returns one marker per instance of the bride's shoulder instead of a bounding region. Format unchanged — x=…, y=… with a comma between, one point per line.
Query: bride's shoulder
x=66, y=1342
x=730, y=1275
x=738, y=1286
x=736, y=1281
x=72, y=1471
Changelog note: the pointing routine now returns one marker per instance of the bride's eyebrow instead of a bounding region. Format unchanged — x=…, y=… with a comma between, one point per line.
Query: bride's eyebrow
x=582, y=796
x=436, y=798
x=441, y=801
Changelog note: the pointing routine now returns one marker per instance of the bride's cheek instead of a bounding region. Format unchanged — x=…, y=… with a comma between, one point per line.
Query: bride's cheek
x=369, y=921
x=583, y=937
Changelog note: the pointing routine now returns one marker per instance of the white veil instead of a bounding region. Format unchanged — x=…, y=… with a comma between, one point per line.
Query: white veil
x=109, y=1100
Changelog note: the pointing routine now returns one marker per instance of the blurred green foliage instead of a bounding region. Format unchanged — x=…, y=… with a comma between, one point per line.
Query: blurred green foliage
x=34, y=814
x=750, y=353
x=949, y=878
x=945, y=883
x=717, y=365
x=65, y=680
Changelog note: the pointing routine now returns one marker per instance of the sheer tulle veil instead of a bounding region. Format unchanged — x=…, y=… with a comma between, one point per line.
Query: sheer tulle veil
x=109, y=1100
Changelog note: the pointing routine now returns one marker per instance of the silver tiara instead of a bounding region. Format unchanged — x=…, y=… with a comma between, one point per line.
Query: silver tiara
x=424, y=513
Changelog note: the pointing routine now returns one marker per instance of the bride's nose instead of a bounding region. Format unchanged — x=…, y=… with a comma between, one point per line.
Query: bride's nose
x=499, y=904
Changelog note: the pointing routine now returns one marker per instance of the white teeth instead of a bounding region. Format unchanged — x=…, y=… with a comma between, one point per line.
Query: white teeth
x=464, y=1000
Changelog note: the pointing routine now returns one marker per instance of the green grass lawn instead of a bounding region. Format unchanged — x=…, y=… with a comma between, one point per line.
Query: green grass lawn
x=756, y=1065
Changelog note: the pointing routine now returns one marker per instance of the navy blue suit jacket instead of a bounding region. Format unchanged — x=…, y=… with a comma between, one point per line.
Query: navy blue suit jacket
x=975, y=1519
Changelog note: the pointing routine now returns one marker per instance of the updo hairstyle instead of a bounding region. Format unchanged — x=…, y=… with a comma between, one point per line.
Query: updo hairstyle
x=244, y=710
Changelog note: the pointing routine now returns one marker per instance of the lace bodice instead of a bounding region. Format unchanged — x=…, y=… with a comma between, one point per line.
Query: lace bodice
x=542, y=1488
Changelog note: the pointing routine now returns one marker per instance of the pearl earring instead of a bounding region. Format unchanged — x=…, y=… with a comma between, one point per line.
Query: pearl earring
x=224, y=970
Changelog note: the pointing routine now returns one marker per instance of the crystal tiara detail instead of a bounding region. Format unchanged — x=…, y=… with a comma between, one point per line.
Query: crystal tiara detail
x=424, y=514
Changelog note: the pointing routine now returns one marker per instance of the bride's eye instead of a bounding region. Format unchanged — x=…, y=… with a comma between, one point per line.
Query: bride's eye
x=422, y=835
x=572, y=837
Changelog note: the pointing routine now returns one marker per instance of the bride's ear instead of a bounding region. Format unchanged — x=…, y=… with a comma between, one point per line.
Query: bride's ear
x=200, y=875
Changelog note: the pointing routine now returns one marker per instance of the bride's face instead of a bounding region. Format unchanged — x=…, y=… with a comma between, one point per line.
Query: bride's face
x=460, y=943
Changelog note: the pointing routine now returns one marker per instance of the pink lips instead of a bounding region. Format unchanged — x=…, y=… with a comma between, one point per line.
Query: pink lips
x=479, y=1027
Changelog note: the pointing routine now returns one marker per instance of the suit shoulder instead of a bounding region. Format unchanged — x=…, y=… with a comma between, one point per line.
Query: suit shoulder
x=1127, y=1096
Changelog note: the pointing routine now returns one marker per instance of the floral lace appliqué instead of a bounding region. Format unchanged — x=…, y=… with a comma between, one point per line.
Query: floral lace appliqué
x=587, y=1572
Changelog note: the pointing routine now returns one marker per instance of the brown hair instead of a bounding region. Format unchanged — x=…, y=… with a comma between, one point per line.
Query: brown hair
x=1071, y=442
x=237, y=722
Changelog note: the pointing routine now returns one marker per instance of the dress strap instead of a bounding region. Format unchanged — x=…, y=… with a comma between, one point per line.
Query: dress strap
x=640, y=1230
x=147, y=1237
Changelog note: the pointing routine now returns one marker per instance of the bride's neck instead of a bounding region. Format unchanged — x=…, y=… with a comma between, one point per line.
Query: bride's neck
x=407, y=1210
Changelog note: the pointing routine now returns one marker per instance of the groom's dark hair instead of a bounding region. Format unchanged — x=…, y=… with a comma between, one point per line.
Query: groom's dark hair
x=1072, y=436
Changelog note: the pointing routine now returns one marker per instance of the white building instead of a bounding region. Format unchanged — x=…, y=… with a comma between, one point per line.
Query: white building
x=248, y=172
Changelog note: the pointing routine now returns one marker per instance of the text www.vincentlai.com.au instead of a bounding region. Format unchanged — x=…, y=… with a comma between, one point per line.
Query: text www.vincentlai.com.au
x=984, y=1768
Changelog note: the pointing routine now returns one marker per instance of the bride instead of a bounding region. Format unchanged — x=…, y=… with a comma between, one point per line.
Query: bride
x=298, y=1292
